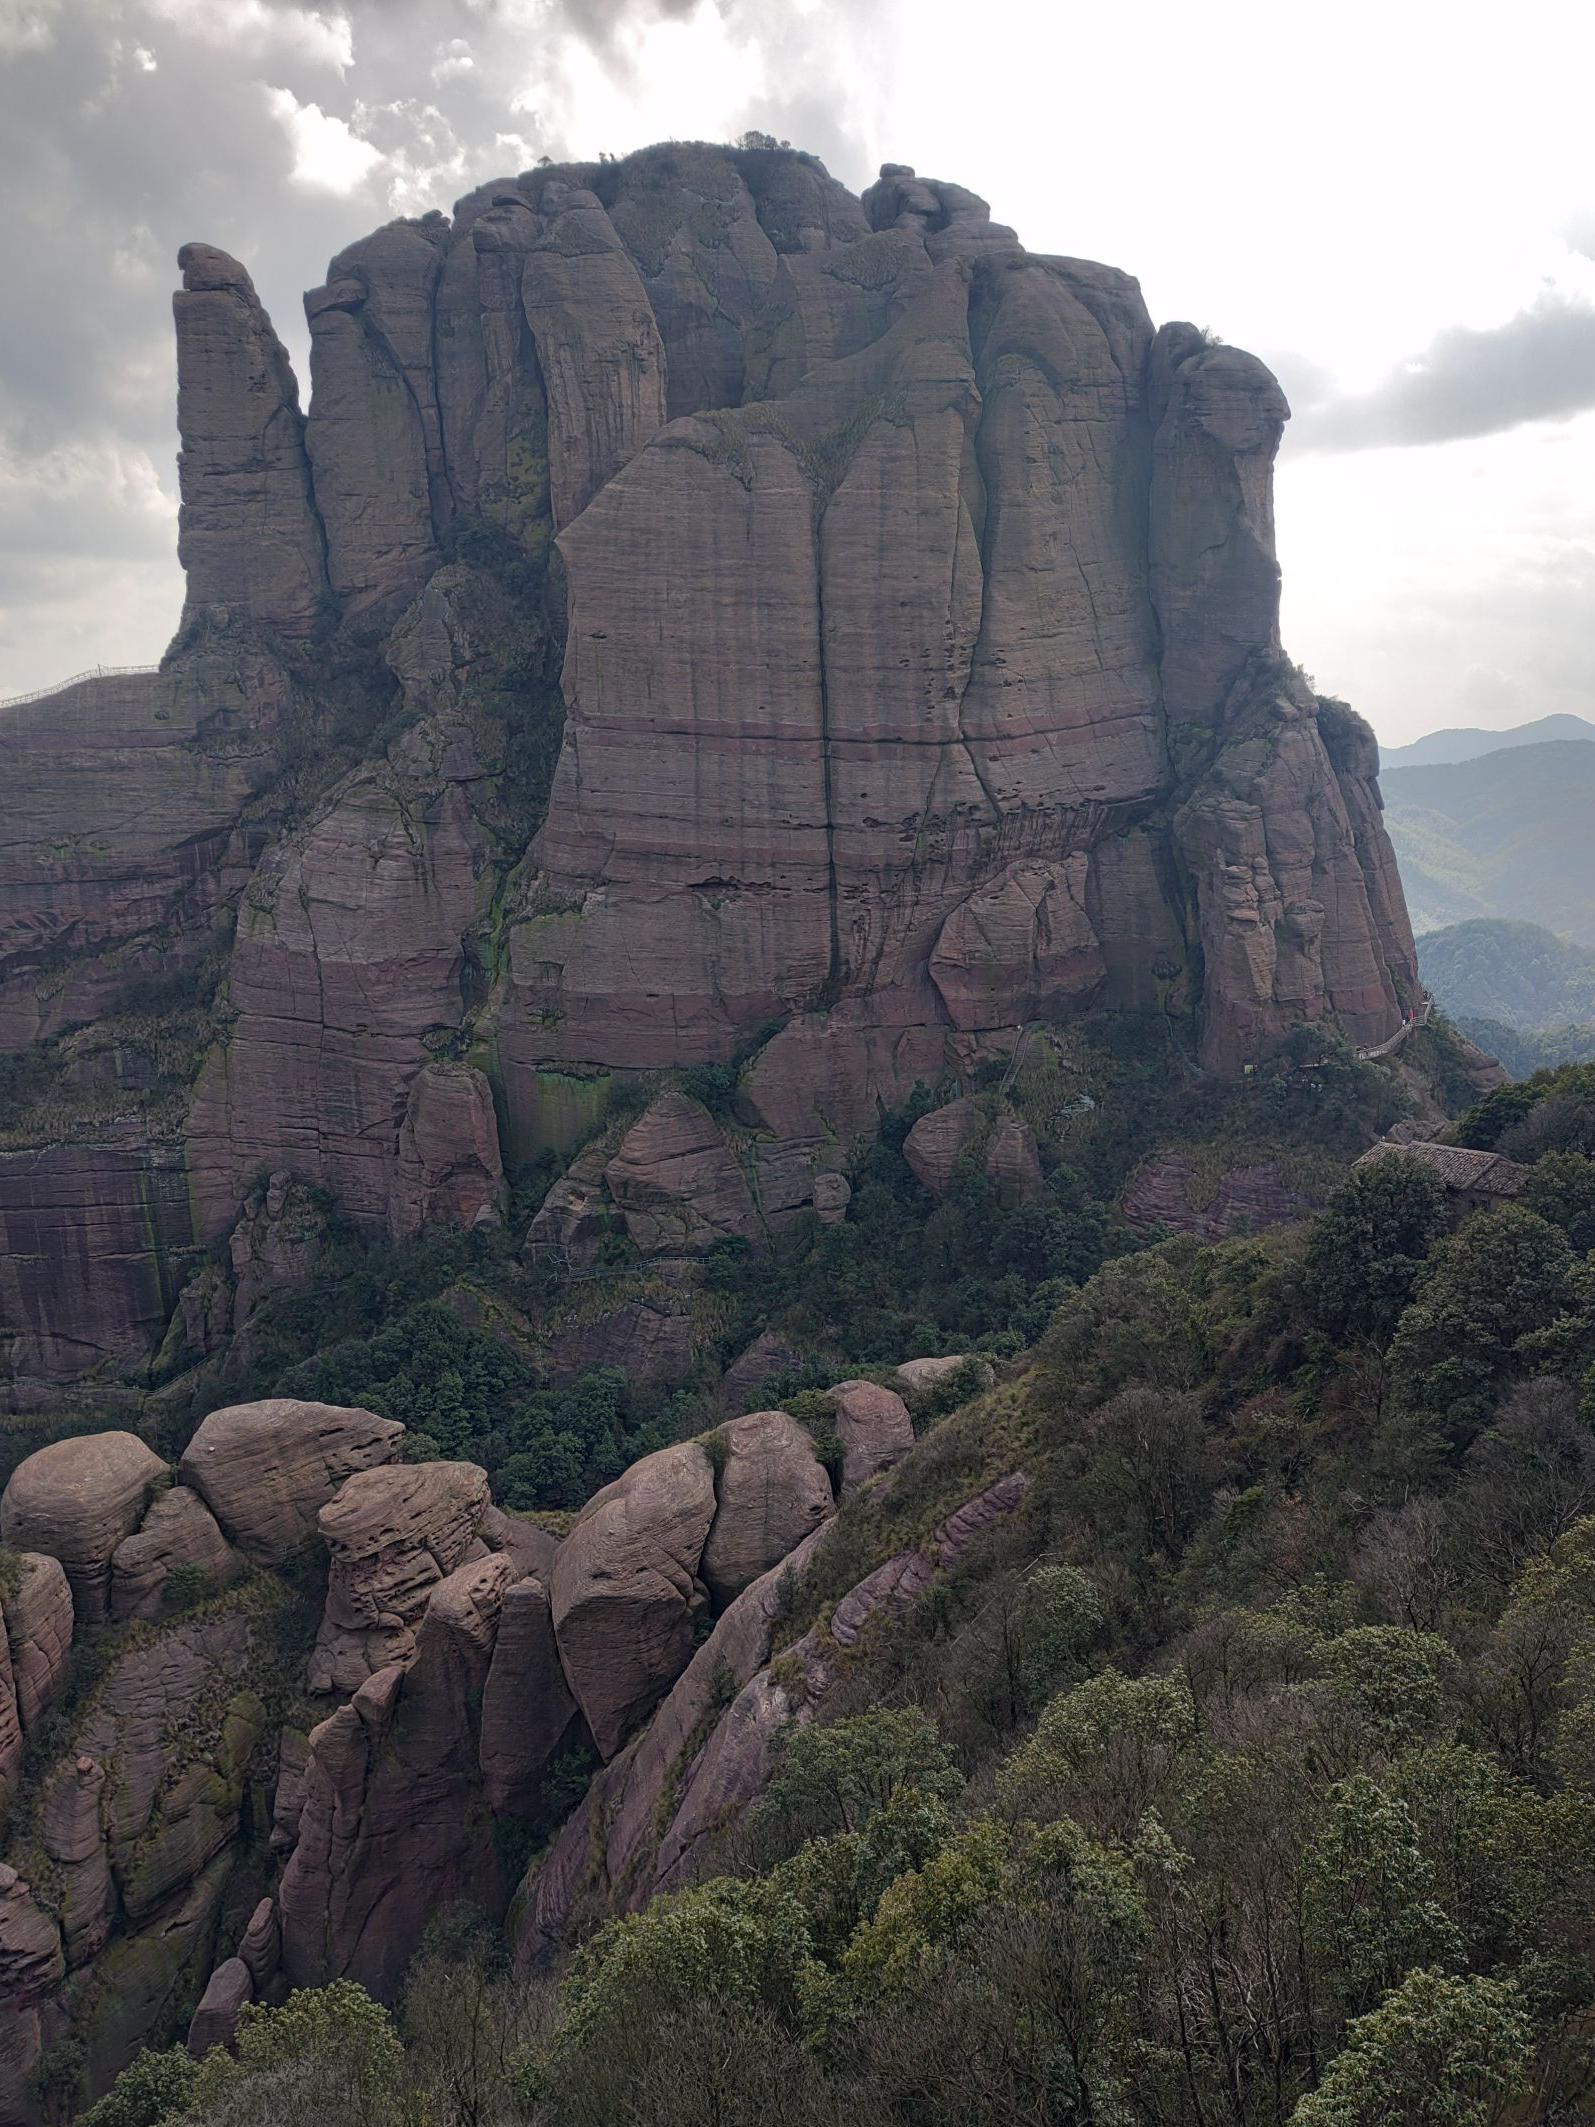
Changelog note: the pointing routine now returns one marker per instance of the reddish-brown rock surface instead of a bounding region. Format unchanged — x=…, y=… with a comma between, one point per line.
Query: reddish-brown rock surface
x=703, y=619
x=874, y=1428
x=626, y=1591
x=771, y=1493
x=267, y=1469
x=387, y=1837
x=1168, y=1191
x=77, y=1500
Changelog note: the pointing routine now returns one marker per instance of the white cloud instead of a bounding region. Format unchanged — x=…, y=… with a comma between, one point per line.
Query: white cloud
x=453, y=61
x=328, y=155
x=27, y=25
x=254, y=29
x=104, y=472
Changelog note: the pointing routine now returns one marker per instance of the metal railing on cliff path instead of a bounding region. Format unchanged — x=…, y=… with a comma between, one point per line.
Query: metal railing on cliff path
x=15, y=701
x=1420, y=1018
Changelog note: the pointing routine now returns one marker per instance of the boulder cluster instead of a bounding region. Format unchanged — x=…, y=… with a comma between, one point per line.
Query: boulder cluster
x=460, y=1654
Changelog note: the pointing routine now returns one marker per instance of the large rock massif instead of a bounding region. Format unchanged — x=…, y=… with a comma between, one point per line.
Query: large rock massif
x=224, y=1799
x=703, y=618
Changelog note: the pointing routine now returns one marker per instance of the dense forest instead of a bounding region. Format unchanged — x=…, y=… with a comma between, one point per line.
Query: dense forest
x=1246, y=1775
x=1522, y=993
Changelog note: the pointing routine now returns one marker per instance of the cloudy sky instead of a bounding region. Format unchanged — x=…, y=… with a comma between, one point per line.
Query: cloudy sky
x=1392, y=202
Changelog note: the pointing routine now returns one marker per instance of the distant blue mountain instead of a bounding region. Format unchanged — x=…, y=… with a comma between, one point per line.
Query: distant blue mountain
x=1468, y=745
x=1505, y=834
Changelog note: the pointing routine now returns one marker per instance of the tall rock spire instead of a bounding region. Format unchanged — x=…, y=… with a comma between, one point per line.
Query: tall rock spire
x=248, y=536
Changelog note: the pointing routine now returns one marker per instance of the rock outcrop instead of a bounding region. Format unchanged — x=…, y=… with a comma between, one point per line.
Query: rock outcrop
x=37, y=1614
x=874, y=1428
x=703, y=621
x=469, y=1661
x=249, y=536
x=771, y=1493
x=266, y=1470
x=178, y=1534
x=392, y=1534
x=77, y=1500
x=1001, y=1146
x=648, y=1821
x=386, y=1837
x=677, y=1183
x=1168, y=1191
x=528, y=1710
x=626, y=1590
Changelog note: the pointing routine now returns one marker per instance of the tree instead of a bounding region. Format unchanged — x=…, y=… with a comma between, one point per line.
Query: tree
x=1104, y=1753
x=1015, y=2005
x=1437, y=2052
x=1369, y=1897
x=1501, y=1276
x=1389, y=1680
x=328, y=2053
x=726, y=1941
x=1368, y=1246
x=840, y=1776
x=1561, y=1188
x=151, y=2088
x=469, y=2027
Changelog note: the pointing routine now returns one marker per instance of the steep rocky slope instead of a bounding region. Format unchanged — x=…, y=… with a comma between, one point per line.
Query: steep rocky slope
x=705, y=619
x=265, y=1716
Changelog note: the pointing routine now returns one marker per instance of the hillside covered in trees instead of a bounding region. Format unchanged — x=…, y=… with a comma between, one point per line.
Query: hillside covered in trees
x=1518, y=990
x=1244, y=1773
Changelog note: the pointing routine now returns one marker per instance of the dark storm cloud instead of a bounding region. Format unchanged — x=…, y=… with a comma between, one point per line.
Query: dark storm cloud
x=1538, y=366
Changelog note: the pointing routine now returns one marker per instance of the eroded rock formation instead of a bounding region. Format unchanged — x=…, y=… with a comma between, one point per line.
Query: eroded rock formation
x=464, y=1656
x=703, y=621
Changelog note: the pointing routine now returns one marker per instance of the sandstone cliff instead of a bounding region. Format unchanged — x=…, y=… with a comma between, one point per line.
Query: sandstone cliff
x=702, y=619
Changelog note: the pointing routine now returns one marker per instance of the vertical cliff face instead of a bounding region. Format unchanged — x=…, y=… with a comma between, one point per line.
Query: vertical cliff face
x=704, y=615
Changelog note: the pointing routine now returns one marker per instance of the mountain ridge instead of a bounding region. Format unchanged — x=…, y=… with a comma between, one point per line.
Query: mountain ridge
x=1470, y=742
x=1503, y=835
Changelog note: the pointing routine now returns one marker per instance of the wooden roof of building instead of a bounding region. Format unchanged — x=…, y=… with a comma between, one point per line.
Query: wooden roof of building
x=1460, y=1167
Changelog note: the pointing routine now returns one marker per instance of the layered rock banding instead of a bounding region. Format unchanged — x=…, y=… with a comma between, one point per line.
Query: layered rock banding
x=879, y=652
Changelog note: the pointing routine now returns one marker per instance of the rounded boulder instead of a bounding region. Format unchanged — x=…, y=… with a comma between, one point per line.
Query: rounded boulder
x=75, y=1501
x=625, y=1589
x=267, y=1469
x=772, y=1491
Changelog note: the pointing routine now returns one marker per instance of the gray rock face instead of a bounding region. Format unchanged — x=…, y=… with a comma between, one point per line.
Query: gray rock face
x=598, y=347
